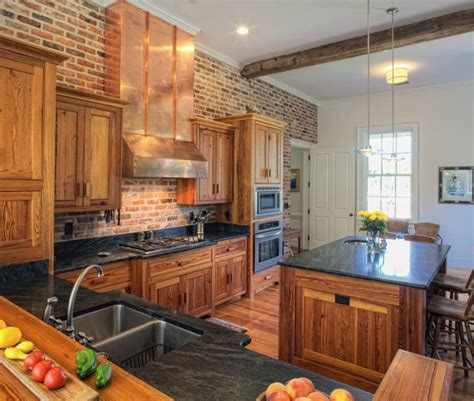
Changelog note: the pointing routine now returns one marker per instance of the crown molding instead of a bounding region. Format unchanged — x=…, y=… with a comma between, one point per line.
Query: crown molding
x=289, y=89
x=148, y=5
x=238, y=66
x=218, y=55
x=399, y=93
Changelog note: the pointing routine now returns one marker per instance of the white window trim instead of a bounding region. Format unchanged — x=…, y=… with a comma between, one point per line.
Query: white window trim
x=362, y=164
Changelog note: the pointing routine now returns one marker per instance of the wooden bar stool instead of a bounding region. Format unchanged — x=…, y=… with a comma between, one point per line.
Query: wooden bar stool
x=420, y=238
x=441, y=309
x=453, y=284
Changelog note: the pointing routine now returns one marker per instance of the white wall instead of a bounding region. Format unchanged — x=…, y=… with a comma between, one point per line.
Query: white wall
x=296, y=198
x=446, y=138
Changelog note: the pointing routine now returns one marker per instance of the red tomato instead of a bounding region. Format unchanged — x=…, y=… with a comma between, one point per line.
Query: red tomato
x=55, y=378
x=40, y=369
x=33, y=359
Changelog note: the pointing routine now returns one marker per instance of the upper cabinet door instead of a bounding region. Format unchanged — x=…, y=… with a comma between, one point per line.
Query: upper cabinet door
x=101, y=155
x=261, y=169
x=207, y=146
x=69, y=189
x=21, y=120
x=274, y=155
x=224, y=166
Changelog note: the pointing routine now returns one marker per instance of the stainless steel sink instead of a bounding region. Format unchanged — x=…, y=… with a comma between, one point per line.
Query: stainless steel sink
x=141, y=345
x=129, y=336
x=109, y=321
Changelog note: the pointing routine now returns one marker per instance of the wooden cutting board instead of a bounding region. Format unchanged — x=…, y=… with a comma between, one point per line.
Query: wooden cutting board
x=62, y=350
x=20, y=381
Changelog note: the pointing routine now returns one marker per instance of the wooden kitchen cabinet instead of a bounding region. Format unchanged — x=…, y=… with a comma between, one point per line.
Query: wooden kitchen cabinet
x=215, y=140
x=88, y=152
x=169, y=293
x=230, y=269
x=268, y=155
x=198, y=292
x=117, y=277
x=27, y=107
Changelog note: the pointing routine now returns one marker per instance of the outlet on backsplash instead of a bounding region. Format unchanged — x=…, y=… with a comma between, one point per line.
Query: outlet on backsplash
x=69, y=228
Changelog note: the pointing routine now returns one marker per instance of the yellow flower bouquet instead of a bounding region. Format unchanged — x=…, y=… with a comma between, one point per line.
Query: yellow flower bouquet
x=375, y=224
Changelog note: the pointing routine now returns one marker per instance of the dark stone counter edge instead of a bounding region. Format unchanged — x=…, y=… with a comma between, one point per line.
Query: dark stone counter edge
x=74, y=262
x=386, y=280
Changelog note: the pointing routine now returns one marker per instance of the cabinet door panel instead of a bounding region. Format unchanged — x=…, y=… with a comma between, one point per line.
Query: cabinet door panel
x=341, y=335
x=21, y=124
x=261, y=172
x=100, y=157
x=274, y=156
x=222, y=282
x=20, y=226
x=69, y=155
x=239, y=274
x=199, y=292
x=167, y=293
x=207, y=148
x=224, y=166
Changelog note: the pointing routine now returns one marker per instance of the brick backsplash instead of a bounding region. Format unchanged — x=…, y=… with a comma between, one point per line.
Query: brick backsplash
x=77, y=29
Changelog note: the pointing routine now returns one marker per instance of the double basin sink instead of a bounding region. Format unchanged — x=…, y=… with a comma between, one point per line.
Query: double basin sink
x=129, y=336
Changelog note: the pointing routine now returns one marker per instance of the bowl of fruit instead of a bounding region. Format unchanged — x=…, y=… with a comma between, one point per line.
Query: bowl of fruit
x=302, y=389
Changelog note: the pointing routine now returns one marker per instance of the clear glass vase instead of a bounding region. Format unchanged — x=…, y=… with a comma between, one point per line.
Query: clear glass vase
x=374, y=242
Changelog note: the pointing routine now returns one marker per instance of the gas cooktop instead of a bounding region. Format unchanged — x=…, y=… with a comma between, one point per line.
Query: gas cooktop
x=159, y=244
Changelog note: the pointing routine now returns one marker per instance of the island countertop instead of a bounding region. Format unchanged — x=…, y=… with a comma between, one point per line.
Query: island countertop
x=406, y=263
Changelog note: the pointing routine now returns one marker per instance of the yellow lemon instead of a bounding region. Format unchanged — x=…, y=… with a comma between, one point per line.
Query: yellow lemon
x=9, y=337
x=25, y=346
x=15, y=353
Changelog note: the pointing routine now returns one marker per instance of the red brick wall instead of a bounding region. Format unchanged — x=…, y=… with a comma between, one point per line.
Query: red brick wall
x=219, y=90
x=77, y=28
x=73, y=27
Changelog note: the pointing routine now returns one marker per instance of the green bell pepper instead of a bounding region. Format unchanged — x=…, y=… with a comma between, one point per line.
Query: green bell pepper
x=86, y=363
x=103, y=375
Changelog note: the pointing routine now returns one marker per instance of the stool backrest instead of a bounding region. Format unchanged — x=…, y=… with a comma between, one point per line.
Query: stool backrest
x=429, y=229
x=419, y=238
x=397, y=226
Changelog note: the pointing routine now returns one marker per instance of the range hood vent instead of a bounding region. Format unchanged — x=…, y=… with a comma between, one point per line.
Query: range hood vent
x=151, y=156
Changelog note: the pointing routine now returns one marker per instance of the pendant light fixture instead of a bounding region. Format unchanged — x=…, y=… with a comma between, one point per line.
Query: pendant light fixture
x=367, y=151
x=393, y=156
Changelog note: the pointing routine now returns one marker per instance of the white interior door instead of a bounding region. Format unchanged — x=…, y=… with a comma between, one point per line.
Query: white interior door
x=332, y=195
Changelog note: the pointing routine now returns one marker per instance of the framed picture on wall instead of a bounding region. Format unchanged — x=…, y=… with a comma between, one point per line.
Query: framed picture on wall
x=455, y=185
x=295, y=180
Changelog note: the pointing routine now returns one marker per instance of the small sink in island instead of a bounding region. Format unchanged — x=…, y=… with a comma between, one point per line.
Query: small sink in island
x=345, y=312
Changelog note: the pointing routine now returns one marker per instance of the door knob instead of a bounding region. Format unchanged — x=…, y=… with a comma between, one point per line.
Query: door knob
x=351, y=214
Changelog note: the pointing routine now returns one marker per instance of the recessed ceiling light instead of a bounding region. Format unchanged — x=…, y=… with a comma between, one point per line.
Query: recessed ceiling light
x=242, y=30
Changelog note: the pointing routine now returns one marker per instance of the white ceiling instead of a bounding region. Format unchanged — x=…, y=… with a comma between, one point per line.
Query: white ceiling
x=444, y=61
x=282, y=26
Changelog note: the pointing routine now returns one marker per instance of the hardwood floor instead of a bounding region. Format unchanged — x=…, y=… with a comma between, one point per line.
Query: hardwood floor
x=260, y=316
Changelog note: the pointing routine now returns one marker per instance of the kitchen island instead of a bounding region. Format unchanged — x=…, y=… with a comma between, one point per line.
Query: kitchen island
x=345, y=312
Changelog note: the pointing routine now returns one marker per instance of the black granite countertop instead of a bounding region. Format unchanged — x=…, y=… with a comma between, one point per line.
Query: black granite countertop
x=77, y=254
x=413, y=264
x=215, y=366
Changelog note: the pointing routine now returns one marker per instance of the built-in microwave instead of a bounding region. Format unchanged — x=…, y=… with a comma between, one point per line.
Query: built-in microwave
x=267, y=201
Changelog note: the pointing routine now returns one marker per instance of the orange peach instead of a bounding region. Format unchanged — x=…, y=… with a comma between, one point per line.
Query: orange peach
x=297, y=388
x=279, y=395
x=318, y=396
x=309, y=384
x=274, y=387
x=303, y=399
x=340, y=394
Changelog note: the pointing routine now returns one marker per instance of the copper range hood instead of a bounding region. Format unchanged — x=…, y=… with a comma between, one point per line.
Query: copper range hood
x=150, y=64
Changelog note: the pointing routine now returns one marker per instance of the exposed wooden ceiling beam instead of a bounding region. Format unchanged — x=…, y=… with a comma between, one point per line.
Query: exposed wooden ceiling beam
x=421, y=31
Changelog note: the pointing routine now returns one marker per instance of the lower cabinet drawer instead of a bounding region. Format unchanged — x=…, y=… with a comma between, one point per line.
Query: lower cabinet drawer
x=231, y=246
x=118, y=276
x=266, y=278
x=180, y=260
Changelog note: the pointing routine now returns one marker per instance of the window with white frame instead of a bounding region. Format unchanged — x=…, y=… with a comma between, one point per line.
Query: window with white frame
x=389, y=183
